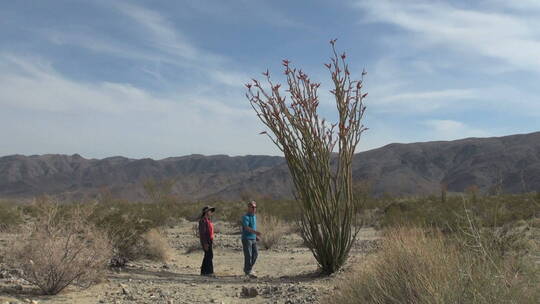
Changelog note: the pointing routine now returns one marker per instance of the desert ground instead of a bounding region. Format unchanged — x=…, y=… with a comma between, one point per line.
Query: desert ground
x=287, y=273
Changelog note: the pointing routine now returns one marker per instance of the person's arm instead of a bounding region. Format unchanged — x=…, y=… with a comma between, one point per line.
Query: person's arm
x=251, y=230
x=204, y=234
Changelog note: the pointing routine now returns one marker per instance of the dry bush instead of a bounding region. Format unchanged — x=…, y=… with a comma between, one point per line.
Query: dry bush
x=156, y=246
x=125, y=224
x=414, y=266
x=195, y=230
x=272, y=229
x=58, y=251
x=410, y=268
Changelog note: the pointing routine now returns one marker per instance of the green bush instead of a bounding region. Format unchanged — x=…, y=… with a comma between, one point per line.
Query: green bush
x=125, y=223
x=448, y=215
x=10, y=216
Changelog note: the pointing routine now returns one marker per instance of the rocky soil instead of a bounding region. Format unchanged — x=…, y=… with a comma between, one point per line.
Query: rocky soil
x=286, y=273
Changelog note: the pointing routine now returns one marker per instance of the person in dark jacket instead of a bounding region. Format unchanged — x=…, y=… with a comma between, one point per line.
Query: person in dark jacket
x=206, y=235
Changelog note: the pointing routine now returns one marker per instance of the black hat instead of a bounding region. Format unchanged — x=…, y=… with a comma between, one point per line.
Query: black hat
x=208, y=208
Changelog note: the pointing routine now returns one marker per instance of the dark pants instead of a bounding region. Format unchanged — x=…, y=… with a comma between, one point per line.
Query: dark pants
x=207, y=266
x=250, y=254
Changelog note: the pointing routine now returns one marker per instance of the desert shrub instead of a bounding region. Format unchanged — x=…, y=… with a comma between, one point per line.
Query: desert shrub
x=232, y=211
x=503, y=209
x=448, y=215
x=59, y=251
x=155, y=246
x=10, y=216
x=415, y=266
x=272, y=229
x=425, y=212
x=285, y=210
x=125, y=224
x=410, y=268
x=195, y=230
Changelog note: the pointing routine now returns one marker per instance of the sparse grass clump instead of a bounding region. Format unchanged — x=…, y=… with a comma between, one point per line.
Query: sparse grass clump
x=415, y=266
x=58, y=251
x=272, y=228
x=155, y=246
x=410, y=268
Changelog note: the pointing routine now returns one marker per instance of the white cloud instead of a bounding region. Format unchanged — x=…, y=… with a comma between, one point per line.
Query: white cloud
x=54, y=114
x=33, y=85
x=423, y=101
x=511, y=39
x=444, y=129
x=521, y=5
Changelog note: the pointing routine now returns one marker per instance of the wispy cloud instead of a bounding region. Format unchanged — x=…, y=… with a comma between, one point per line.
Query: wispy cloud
x=156, y=40
x=162, y=35
x=118, y=110
x=423, y=101
x=35, y=85
x=260, y=11
x=445, y=129
x=512, y=40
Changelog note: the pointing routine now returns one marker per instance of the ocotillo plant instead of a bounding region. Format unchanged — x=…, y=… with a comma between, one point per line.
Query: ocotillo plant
x=323, y=182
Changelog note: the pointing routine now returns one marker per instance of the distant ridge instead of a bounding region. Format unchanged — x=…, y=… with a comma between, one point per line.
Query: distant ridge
x=510, y=164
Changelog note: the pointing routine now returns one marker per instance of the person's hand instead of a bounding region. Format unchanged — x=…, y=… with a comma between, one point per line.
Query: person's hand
x=257, y=238
x=205, y=247
x=257, y=233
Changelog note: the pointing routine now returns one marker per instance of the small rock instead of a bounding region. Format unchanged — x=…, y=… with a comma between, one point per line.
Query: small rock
x=250, y=292
x=293, y=289
x=125, y=289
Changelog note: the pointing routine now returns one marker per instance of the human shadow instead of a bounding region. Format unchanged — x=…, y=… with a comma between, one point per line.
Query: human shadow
x=188, y=278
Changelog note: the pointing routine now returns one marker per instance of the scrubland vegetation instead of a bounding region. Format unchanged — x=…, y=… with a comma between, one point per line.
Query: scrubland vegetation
x=463, y=249
x=460, y=249
x=60, y=247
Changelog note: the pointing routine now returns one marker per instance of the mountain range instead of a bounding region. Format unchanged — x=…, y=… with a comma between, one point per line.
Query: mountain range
x=509, y=164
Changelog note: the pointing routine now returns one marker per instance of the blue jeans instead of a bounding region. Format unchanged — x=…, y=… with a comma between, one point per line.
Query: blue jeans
x=250, y=254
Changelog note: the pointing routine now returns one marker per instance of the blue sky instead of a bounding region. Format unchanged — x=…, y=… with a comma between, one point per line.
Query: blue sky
x=165, y=78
